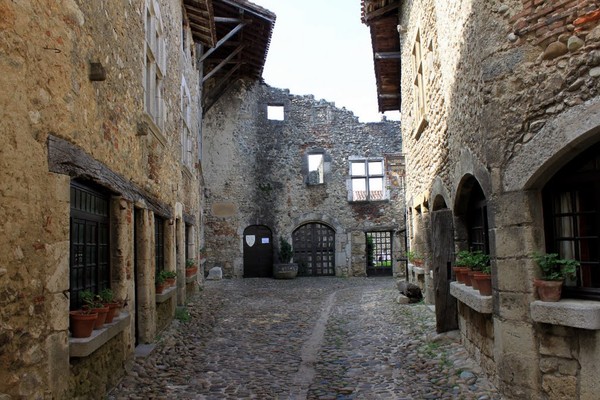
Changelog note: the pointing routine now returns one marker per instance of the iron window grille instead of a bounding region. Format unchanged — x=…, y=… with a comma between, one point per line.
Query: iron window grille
x=159, y=244
x=571, y=202
x=89, y=266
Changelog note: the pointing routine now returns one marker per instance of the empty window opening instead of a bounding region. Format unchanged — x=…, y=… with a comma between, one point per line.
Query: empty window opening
x=316, y=169
x=275, y=112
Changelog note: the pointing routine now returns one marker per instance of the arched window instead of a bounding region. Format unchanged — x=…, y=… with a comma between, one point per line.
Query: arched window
x=572, y=220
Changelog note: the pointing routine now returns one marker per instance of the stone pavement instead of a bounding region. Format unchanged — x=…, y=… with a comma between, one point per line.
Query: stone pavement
x=307, y=338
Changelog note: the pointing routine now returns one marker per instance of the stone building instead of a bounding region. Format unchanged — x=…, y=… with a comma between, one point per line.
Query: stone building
x=501, y=130
x=101, y=174
x=296, y=168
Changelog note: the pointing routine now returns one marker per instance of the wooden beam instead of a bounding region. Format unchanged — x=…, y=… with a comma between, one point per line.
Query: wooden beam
x=223, y=40
x=222, y=63
x=381, y=11
x=211, y=98
x=389, y=55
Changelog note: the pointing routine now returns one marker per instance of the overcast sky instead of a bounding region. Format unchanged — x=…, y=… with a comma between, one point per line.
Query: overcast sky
x=320, y=47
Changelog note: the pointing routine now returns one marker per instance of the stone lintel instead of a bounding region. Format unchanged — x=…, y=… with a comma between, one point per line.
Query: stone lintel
x=584, y=314
x=83, y=347
x=471, y=298
x=166, y=295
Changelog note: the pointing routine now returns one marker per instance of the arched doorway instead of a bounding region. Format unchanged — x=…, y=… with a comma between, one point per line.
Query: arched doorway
x=314, y=249
x=258, y=252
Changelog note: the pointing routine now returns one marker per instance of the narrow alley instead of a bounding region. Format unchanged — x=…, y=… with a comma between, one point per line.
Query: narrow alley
x=308, y=338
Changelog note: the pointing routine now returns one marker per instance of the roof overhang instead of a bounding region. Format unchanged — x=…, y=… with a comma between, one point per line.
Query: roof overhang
x=381, y=16
x=235, y=35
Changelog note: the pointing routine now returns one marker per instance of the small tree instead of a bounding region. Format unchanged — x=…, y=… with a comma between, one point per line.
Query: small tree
x=285, y=251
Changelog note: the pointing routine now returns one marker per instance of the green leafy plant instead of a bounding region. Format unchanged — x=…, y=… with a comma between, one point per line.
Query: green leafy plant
x=89, y=299
x=160, y=278
x=414, y=257
x=169, y=274
x=554, y=268
x=285, y=251
x=475, y=260
x=106, y=296
x=370, y=250
x=190, y=263
x=182, y=314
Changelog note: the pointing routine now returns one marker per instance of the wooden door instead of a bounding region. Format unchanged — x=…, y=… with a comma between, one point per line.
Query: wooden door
x=314, y=250
x=446, y=315
x=258, y=252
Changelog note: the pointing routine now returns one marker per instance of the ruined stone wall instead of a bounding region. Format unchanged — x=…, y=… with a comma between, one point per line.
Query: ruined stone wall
x=47, y=49
x=519, y=94
x=256, y=173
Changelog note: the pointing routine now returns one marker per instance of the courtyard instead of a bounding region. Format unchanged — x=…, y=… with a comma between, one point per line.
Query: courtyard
x=307, y=338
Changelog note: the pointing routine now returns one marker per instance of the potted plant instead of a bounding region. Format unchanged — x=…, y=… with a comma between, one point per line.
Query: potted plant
x=554, y=271
x=92, y=302
x=477, y=260
x=159, y=282
x=170, y=278
x=81, y=322
x=107, y=298
x=190, y=267
x=285, y=269
x=482, y=276
x=461, y=266
x=415, y=258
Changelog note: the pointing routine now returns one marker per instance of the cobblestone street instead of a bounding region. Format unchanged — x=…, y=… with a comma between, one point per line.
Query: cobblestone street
x=308, y=338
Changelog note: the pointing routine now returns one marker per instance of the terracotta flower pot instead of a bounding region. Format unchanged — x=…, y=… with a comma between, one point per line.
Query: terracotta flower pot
x=484, y=282
x=191, y=271
x=548, y=290
x=474, y=283
x=113, y=311
x=170, y=282
x=160, y=287
x=459, y=272
x=102, y=312
x=81, y=323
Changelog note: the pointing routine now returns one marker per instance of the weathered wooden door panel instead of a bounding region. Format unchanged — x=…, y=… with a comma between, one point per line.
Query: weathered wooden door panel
x=443, y=252
x=258, y=252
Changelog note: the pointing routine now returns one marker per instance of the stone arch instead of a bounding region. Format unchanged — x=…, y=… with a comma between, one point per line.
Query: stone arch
x=557, y=143
x=467, y=166
x=470, y=201
x=440, y=195
x=320, y=218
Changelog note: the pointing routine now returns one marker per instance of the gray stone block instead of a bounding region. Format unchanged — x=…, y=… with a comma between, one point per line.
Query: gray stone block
x=215, y=274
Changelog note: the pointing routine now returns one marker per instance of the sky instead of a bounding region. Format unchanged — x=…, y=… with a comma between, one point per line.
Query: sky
x=321, y=47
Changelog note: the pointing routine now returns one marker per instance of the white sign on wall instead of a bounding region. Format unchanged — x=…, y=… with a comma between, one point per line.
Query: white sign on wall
x=250, y=240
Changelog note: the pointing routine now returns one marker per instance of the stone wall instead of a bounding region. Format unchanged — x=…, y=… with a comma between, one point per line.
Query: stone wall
x=59, y=124
x=256, y=173
x=511, y=96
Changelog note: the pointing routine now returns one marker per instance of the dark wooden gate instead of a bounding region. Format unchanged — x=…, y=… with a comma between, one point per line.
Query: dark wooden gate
x=258, y=252
x=314, y=249
x=443, y=252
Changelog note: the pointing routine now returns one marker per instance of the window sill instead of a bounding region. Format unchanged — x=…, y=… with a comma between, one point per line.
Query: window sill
x=421, y=127
x=416, y=270
x=166, y=295
x=83, y=347
x=154, y=129
x=584, y=314
x=471, y=297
